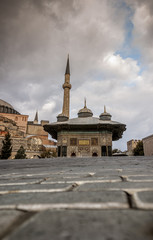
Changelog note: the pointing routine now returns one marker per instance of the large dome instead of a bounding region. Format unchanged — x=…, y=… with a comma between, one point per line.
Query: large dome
x=3, y=103
x=7, y=108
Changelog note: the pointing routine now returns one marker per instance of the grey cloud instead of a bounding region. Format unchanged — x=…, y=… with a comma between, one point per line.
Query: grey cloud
x=35, y=37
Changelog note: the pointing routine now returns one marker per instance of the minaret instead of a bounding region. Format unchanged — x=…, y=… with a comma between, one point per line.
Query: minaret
x=36, y=118
x=64, y=116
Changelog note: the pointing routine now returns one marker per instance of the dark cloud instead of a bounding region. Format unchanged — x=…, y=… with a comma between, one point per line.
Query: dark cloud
x=37, y=35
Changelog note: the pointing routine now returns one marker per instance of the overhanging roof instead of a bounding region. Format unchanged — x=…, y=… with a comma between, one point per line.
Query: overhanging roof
x=86, y=124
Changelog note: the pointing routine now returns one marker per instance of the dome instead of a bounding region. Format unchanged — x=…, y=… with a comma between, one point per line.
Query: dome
x=7, y=108
x=105, y=116
x=3, y=103
x=85, y=112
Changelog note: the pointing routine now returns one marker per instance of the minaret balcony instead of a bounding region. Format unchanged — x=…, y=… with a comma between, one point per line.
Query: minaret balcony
x=67, y=85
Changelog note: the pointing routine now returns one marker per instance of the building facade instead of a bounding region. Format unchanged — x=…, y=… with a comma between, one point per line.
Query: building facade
x=85, y=135
x=148, y=145
x=29, y=134
x=131, y=144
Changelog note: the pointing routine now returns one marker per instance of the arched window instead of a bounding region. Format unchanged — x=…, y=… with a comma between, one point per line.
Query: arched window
x=73, y=155
x=95, y=154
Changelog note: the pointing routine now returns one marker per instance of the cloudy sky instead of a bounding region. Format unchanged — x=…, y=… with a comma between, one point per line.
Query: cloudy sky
x=110, y=43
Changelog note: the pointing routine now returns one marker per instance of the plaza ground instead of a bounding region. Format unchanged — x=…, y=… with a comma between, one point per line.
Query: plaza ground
x=108, y=198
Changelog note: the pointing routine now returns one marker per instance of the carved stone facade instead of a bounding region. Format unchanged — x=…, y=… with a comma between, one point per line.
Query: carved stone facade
x=82, y=144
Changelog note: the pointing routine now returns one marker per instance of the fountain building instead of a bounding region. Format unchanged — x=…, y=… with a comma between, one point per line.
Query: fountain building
x=85, y=135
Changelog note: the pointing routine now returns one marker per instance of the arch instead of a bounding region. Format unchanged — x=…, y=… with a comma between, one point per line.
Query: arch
x=73, y=154
x=95, y=154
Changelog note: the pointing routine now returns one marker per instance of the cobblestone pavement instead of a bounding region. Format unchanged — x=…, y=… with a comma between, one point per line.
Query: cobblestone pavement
x=108, y=198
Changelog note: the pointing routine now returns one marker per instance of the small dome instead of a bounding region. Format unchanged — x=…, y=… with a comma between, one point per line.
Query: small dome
x=105, y=116
x=85, y=112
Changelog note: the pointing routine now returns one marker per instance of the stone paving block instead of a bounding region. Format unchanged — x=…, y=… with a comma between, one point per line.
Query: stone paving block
x=113, y=185
x=34, y=186
x=87, y=225
x=86, y=178
x=134, y=172
x=146, y=196
x=141, y=178
x=23, y=177
x=7, y=219
x=17, y=181
x=63, y=197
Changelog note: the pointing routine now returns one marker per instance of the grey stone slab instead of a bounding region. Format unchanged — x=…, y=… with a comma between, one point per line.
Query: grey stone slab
x=133, y=172
x=34, y=186
x=63, y=197
x=113, y=185
x=87, y=225
x=85, y=178
x=142, y=178
x=19, y=181
x=23, y=176
x=146, y=196
x=7, y=219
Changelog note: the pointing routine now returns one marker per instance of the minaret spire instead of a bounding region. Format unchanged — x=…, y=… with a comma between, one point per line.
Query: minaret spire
x=36, y=118
x=104, y=109
x=85, y=103
x=67, y=71
x=64, y=116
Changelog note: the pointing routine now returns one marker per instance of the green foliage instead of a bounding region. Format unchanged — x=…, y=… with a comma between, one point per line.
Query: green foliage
x=54, y=154
x=48, y=154
x=6, y=147
x=20, y=153
x=138, y=150
x=116, y=151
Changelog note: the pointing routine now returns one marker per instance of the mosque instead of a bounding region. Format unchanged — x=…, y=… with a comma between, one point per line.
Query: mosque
x=85, y=135
x=29, y=134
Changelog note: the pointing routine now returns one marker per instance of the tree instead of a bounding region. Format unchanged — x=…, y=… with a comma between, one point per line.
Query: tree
x=116, y=151
x=46, y=154
x=6, y=147
x=20, y=153
x=138, y=150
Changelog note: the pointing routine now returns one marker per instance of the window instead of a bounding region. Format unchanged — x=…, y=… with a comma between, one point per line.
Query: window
x=94, y=141
x=103, y=151
x=109, y=150
x=73, y=141
x=59, y=151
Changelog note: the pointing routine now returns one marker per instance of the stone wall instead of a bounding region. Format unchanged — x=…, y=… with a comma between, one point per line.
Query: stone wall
x=17, y=142
x=20, y=120
x=36, y=129
x=148, y=145
x=131, y=145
